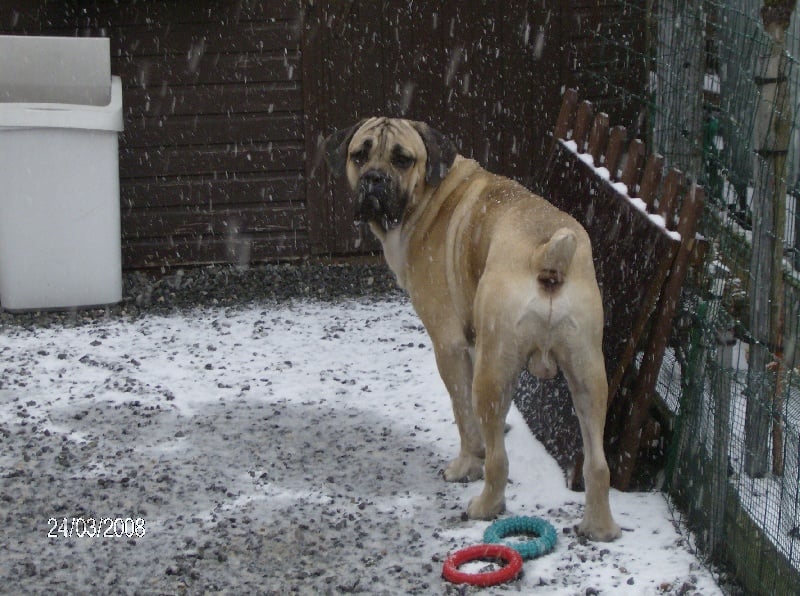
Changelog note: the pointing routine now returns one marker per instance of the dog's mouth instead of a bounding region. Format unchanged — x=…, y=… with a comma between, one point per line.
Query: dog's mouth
x=375, y=201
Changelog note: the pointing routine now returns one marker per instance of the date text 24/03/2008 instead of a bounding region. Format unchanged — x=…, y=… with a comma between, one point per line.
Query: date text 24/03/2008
x=101, y=527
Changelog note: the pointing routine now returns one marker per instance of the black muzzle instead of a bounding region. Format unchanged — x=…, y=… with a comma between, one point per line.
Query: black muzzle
x=374, y=200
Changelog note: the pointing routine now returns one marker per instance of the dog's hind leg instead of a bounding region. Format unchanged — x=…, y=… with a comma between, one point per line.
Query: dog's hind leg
x=493, y=385
x=586, y=376
x=497, y=367
x=455, y=368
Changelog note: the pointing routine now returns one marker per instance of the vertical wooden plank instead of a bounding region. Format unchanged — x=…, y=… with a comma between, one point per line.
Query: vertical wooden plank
x=430, y=27
x=566, y=117
x=651, y=179
x=396, y=33
x=315, y=119
x=633, y=166
x=345, y=70
x=513, y=21
x=689, y=217
x=545, y=58
x=367, y=55
x=350, y=57
x=616, y=145
x=488, y=87
x=23, y=18
x=413, y=64
x=669, y=198
x=582, y=123
x=455, y=22
x=598, y=138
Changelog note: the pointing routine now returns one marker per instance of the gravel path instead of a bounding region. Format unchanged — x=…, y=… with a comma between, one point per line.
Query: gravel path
x=255, y=450
x=147, y=292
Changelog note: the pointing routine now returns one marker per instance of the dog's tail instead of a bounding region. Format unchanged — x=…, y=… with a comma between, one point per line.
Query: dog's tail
x=551, y=260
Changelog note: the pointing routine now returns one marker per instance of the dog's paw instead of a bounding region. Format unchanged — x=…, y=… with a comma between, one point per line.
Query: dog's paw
x=480, y=508
x=599, y=532
x=465, y=468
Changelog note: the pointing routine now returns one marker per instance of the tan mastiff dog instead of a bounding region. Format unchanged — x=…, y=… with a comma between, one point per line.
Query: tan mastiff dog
x=501, y=280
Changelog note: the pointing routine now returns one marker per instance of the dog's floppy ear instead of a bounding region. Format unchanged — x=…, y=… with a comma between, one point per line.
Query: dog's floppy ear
x=336, y=147
x=441, y=153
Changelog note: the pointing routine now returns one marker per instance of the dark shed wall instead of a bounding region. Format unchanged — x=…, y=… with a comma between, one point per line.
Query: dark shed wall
x=212, y=155
x=227, y=102
x=490, y=75
x=471, y=69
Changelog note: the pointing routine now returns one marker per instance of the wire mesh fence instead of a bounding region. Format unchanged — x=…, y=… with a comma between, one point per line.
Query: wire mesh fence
x=721, y=103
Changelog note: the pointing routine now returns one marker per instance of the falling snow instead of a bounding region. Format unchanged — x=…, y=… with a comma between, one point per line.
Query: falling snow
x=271, y=448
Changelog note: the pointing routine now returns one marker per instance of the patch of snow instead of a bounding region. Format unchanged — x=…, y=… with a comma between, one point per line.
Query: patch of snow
x=622, y=189
x=276, y=445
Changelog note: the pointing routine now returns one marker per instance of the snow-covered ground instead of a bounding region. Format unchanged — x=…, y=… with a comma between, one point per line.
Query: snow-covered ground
x=273, y=448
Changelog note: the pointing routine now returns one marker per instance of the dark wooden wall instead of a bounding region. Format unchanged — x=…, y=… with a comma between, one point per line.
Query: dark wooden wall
x=488, y=74
x=470, y=69
x=212, y=156
x=213, y=150
x=226, y=103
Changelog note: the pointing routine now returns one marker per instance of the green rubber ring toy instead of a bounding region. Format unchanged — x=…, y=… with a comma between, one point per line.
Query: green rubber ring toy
x=544, y=531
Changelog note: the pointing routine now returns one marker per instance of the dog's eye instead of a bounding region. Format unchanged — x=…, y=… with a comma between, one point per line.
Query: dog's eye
x=359, y=157
x=402, y=162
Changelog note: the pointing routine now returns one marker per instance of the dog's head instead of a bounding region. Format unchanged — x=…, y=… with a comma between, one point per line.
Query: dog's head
x=389, y=162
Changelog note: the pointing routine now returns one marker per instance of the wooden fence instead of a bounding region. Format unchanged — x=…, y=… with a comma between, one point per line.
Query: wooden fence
x=643, y=237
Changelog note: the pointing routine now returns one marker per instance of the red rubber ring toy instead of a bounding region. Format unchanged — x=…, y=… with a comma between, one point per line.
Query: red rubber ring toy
x=507, y=573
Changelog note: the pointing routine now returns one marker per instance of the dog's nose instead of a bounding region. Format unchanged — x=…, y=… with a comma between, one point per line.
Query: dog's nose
x=374, y=178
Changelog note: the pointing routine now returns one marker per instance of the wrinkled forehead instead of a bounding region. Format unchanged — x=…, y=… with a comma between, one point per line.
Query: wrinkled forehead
x=388, y=135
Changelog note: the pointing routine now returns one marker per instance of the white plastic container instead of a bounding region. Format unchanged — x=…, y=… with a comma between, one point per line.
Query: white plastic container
x=60, y=242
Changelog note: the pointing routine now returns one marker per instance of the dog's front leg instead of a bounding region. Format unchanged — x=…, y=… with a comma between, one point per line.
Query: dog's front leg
x=455, y=368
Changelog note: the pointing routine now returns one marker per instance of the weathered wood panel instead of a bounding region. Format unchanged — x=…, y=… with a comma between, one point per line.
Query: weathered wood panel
x=211, y=99
x=238, y=189
x=216, y=129
x=190, y=222
x=241, y=249
x=210, y=159
x=107, y=12
x=210, y=69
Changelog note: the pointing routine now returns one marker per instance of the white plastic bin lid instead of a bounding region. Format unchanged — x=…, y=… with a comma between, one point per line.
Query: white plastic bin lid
x=39, y=69
x=58, y=82
x=61, y=115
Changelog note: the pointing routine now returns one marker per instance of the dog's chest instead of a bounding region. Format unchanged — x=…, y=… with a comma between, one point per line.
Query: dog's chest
x=395, y=246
